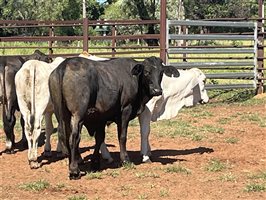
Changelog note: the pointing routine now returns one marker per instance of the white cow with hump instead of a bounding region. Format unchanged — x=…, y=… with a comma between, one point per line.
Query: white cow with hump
x=186, y=90
x=34, y=103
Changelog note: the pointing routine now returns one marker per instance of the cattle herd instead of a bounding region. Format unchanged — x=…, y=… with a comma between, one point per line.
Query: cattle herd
x=90, y=91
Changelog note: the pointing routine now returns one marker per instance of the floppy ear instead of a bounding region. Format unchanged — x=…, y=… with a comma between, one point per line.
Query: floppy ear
x=171, y=71
x=137, y=69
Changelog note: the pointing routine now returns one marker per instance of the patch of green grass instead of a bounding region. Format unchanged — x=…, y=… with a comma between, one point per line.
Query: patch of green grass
x=164, y=192
x=125, y=189
x=147, y=174
x=94, y=175
x=114, y=173
x=224, y=120
x=173, y=128
x=212, y=129
x=35, y=186
x=77, y=197
x=142, y=196
x=255, y=187
x=215, y=165
x=202, y=114
x=60, y=186
x=244, y=96
x=85, y=135
x=134, y=122
x=228, y=177
x=255, y=118
x=177, y=169
x=232, y=140
x=128, y=166
x=196, y=137
x=259, y=175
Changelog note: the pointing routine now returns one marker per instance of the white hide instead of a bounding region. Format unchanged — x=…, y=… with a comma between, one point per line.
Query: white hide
x=34, y=101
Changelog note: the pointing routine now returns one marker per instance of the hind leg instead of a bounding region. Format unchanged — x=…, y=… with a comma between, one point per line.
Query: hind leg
x=99, y=139
x=9, y=131
x=23, y=140
x=74, y=154
x=48, y=132
x=144, y=121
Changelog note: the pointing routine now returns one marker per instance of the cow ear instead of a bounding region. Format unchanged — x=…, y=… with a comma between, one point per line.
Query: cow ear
x=171, y=71
x=137, y=69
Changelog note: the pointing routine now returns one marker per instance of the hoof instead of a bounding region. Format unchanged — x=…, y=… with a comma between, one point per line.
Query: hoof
x=34, y=165
x=47, y=154
x=146, y=159
x=80, y=161
x=95, y=166
x=126, y=163
x=9, y=151
x=74, y=176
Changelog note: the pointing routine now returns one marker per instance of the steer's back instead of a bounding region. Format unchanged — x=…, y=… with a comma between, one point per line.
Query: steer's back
x=32, y=86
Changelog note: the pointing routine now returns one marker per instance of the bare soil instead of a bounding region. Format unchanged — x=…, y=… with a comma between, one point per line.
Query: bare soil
x=160, y=179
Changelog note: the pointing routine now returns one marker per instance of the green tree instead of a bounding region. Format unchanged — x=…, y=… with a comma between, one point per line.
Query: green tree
x=46, y=10
x=209, y=9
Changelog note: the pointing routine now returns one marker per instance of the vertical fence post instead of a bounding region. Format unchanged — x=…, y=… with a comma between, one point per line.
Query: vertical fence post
x=113, y=40
x=184, y=31
x=163, y=31
x=50, y=42
x=85, y=34
x=260, y=47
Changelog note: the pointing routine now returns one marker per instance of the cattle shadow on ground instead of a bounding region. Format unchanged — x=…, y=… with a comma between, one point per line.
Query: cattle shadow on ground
x=54, y=157
x=162, y=156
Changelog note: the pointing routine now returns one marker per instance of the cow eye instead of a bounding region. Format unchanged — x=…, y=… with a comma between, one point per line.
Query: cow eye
x=146, y=73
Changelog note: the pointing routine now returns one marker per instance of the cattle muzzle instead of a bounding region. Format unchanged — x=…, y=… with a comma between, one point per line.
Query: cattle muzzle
x=156, y=92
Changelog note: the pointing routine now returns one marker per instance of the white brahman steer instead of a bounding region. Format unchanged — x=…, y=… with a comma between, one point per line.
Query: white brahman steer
x=186, y=90
x=34, y=102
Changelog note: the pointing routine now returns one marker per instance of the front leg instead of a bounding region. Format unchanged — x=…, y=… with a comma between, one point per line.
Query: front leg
x=144, y=121
x=122, y=126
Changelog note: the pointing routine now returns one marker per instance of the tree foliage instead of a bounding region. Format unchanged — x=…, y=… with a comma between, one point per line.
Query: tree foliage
x=209, y=9
x=121, y=9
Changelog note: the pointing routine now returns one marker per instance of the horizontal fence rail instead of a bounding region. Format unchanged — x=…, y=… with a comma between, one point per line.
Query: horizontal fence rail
x=112, y=42
x=240, y=56
x=242, y=68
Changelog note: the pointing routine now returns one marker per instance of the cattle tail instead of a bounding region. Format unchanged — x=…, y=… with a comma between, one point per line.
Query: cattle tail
x=5, y=106
x=32, y=109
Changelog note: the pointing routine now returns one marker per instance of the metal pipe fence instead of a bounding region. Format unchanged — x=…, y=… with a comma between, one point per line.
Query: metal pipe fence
x=220, y=62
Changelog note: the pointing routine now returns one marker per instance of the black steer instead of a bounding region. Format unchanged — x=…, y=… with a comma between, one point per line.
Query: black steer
x=90, y=93
x=9, y=66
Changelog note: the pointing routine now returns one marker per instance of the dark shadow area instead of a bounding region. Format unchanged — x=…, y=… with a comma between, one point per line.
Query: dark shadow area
x=161, y=156
x=23, y=145
x=48, y=160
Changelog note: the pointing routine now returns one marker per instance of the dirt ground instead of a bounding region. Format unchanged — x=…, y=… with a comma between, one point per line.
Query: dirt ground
x=179, y=169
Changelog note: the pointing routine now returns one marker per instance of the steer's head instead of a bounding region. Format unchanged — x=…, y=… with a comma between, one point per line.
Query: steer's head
x=152, y=76
x=38, y=55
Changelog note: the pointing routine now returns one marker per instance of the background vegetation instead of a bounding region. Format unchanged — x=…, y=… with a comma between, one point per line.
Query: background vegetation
x=119, y=9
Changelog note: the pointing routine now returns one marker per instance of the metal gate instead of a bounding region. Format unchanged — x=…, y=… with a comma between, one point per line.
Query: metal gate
x=222, y=64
